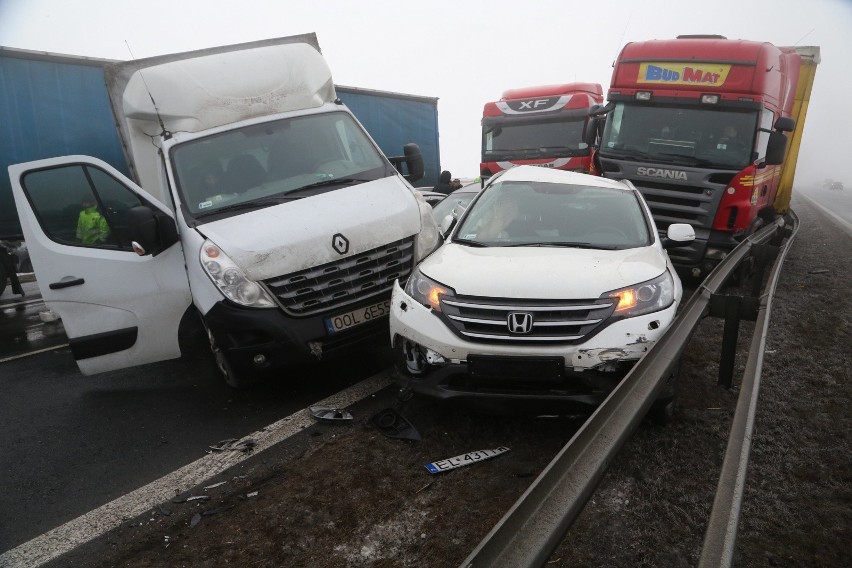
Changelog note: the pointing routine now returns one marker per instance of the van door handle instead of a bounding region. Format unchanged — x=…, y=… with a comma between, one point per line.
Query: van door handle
x=66, y=283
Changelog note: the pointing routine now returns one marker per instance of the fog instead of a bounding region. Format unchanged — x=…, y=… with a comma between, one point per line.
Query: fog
x=464, y=53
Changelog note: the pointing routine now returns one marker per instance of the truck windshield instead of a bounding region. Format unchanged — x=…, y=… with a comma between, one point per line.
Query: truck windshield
x=518, y=141
x=270, y=163
x=680, y=135
x=538, y=214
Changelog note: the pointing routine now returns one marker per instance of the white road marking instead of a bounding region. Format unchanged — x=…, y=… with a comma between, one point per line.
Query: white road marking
x=95, y=523
x=841, y=222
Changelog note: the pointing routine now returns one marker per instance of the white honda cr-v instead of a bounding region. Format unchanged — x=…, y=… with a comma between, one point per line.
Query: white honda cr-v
x=549, y=287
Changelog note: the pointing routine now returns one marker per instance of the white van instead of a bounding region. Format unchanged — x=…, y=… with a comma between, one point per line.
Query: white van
x=262, y=205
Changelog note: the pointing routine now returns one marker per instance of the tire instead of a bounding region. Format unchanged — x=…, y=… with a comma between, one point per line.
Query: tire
x=232, y=378
x=3, y=279
x=662, y=411
x=26, y=266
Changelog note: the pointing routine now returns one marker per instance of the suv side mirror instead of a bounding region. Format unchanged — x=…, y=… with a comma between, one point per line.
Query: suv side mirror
x=413, y=159
x=151, y=232
x=678, y=235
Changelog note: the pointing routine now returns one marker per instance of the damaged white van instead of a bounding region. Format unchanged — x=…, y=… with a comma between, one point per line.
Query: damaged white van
x=259, y=203
x=549, y=288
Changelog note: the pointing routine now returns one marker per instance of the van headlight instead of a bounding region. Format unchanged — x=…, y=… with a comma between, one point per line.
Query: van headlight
x=426, y=291
x=231, y=280
x=645, y=297
x=429, y=238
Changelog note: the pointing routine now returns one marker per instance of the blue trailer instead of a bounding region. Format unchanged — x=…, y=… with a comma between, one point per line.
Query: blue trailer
x=57, y=105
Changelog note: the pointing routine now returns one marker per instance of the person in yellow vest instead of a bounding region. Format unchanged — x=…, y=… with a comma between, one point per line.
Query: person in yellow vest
x=92, y=228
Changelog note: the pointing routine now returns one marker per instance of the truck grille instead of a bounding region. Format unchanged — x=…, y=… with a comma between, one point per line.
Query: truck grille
x=552, y=321
x=343, y=282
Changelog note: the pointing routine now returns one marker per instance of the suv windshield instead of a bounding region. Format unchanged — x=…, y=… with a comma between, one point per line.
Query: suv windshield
x=273, y=162
x=680, y=135
x=517, y=213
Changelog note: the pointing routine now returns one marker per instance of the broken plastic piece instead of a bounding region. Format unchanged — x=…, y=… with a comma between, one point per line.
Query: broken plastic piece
x=327, y=414
x=221, y=509
x=215, y=485
x=196, y=518
x=244, y=445
x=390, y=423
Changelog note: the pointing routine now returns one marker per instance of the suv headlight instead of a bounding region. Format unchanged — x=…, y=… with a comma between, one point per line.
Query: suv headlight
x=231, y=280
x=645, y=297
x=426, y=291
x=428, y=239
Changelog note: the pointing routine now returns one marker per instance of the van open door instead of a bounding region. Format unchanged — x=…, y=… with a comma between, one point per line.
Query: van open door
x=120, y=307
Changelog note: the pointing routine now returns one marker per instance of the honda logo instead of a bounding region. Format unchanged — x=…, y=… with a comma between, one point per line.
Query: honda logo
x=340, y=243
x=520, y=322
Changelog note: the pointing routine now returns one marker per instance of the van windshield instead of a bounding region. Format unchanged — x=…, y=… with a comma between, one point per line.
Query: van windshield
x=273, y=162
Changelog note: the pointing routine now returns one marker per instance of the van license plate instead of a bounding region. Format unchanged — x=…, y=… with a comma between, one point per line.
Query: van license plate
x=357, y=317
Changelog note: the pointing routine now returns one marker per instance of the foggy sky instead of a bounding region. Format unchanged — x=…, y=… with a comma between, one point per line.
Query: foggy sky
x=464, y=53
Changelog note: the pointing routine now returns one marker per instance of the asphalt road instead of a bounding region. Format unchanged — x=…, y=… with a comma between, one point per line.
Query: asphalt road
x=72, y=443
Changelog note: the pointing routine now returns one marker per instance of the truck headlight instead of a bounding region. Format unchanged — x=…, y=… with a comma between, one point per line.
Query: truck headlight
x=645, y=297
x=429, y=238
x=231, y=280
x=426, y=291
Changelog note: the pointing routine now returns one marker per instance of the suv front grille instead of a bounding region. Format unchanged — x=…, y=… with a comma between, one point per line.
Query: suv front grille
x=347, y=281
x=552, y=321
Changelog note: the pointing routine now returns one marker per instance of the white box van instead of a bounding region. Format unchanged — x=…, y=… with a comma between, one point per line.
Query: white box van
x=262, y=205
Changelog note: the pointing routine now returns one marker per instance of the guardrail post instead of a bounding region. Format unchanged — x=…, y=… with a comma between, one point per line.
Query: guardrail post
x=732, y=309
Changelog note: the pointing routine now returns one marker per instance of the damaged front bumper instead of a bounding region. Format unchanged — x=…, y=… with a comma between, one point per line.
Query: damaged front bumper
x=433, y=361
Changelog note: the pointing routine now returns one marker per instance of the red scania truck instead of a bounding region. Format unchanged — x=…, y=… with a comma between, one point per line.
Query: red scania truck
x=708, y=129
x=542, y=126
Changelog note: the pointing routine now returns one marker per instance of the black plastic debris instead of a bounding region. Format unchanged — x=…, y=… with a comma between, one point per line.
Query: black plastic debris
x=390, y=423
x=328, y=414
x=196, y=518
x=244, y=445
x=164, y=511
x=217, y=510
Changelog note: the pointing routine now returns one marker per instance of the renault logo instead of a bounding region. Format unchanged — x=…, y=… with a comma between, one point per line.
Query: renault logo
x=520, y=322
x=340, y=243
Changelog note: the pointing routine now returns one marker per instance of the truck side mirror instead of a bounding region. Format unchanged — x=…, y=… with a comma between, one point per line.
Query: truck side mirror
x=590, y=130
x=785, y=124
x=413, y=159
x=151, y=232
x=775, y=148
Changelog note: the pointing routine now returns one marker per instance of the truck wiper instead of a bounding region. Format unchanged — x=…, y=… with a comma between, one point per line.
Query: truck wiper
x=693, y=161
x=635, y=155
x=327, y=182
x=565, y=244
x=470, y=242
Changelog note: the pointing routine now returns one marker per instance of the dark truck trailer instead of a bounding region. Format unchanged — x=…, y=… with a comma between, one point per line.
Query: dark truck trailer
x=57, y=105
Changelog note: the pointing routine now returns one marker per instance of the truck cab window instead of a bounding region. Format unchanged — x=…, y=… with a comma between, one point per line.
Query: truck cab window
x=81, y=205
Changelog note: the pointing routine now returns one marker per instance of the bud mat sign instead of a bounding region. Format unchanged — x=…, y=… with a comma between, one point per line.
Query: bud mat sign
x=708, y=75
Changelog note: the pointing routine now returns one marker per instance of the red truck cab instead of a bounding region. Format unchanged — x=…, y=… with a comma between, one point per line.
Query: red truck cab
x=696, y=124
x=541, y=126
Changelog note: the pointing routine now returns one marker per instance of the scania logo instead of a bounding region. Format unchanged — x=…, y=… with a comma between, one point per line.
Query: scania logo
x=661, y=173
x=340, y=243
x=520, y=322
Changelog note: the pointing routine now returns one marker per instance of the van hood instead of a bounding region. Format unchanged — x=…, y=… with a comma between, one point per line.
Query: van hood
x=541, y=272
x=296, y=235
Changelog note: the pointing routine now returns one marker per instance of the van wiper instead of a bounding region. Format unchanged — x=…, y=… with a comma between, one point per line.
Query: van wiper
x=470, y=242
x=565, y=244
x=254, y=204
x=327, y=182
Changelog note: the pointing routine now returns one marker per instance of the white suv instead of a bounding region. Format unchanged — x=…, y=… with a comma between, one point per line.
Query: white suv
x=549, y=287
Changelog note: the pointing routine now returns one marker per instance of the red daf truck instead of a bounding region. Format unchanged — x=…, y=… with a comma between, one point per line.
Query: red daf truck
x=542, y=126
x=708, y=129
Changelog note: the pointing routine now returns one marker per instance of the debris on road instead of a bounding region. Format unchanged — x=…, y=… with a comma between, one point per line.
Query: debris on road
x=163, y=511
x=252, y=494
x=328, y=414
x=215, y=485
x=196, y=518
x=464, y=459
x=184, y=498
x=393, y=425
x=244, y=445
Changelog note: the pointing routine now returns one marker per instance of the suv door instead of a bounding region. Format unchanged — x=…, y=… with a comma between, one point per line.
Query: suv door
x=119, y=309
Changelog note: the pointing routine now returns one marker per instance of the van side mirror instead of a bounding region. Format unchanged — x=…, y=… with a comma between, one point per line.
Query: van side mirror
x=776, y=148
x=152, y=232
x=447, y=224
x=413, y=159
x=678, y=235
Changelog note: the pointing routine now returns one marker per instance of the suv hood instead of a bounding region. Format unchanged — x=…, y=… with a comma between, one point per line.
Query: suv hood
x=541, y=272
x=292, y=236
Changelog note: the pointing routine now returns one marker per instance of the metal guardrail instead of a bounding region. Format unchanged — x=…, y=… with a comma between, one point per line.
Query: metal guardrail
x=536, y=524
